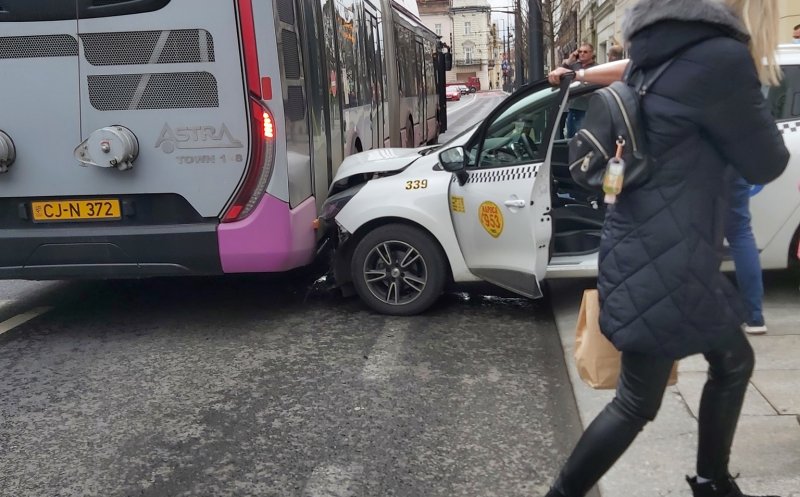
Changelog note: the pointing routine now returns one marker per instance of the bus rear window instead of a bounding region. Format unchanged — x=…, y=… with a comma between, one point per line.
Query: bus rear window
x=59, y=10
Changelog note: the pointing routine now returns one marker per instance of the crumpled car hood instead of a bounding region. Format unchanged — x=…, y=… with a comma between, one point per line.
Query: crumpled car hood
x=377, y=161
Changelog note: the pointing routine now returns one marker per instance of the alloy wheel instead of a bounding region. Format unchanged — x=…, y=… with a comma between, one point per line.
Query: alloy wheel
x=395, y=272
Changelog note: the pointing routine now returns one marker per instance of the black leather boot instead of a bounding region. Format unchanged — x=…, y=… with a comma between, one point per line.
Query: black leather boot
x=726, y=487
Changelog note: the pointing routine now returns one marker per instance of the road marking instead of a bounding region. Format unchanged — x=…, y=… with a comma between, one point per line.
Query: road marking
x=384, y=355
x=11, y=323
x=464, y=105
x=334, y=480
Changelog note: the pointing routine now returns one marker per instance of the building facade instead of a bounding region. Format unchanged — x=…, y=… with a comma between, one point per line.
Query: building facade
x=465, y=26
x=472, y=48
x=479, y=46
x=435, y=15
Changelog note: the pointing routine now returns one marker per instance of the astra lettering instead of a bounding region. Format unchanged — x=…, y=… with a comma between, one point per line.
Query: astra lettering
x=195, y=137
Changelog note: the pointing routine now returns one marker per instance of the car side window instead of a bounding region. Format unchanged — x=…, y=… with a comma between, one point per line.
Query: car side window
x=517, y=135
x=784, y=100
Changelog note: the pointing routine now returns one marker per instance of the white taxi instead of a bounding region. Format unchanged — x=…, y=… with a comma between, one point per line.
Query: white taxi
x=497, y=204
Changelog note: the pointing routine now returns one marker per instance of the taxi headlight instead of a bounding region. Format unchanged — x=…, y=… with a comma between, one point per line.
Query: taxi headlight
x=336, y=202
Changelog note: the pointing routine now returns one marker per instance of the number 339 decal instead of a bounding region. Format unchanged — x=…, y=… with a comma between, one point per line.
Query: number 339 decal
x=416, y=184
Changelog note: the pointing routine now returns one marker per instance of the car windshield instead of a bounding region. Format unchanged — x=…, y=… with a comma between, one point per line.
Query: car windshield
x=522, y=106
x=469, y=130
x=524, y=121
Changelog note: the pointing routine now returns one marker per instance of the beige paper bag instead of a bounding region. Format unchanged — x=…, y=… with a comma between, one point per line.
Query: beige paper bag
x=597, y=359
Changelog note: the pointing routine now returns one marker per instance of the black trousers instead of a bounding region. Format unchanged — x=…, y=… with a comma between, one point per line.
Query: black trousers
x=639, y=393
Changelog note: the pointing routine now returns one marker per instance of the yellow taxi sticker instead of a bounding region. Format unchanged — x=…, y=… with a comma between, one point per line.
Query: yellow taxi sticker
x=457, y=204
x=491, y=218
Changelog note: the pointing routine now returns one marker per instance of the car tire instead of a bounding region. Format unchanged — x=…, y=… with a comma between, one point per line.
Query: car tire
x=388, y=285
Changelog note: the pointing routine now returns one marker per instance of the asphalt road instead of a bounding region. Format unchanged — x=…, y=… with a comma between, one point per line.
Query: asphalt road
x=469, y=110
x=276, y=387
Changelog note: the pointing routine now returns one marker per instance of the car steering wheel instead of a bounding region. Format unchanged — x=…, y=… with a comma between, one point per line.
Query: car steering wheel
x=509, y=150
x=530, y=146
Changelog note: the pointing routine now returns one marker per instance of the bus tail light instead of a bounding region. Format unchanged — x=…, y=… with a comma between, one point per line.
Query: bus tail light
x=259, y=168
x=262, y=125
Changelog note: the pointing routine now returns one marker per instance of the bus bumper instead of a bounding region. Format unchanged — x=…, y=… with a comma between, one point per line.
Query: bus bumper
x=273, y=238
x=106, y=252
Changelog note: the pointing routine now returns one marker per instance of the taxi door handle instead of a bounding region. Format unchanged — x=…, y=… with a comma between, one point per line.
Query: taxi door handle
x=519, y=203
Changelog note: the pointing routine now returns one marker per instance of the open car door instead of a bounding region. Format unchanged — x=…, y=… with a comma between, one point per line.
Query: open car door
x=500, y=204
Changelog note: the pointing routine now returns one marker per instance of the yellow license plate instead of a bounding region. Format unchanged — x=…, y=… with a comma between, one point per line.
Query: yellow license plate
x=76, y=210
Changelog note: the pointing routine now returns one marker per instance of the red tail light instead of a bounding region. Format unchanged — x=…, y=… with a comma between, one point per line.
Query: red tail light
x=269, y=126
x=259, y=168
x=262, y=125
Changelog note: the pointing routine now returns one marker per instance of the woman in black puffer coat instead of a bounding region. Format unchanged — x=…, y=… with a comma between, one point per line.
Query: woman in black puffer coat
x=662, y=294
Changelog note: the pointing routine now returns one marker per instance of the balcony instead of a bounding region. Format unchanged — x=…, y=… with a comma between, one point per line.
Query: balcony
x=469, y=62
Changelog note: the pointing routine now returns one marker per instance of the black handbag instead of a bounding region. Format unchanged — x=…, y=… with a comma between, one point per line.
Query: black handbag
x=614, y=120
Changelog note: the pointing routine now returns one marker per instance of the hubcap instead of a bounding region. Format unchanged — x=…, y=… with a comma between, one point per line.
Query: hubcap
x=395, y=272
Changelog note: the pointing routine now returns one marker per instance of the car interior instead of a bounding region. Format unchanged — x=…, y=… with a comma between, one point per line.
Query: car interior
x=516, y=137
x=577, y=213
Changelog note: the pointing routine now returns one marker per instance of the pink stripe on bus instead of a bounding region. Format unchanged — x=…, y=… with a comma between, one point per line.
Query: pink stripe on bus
x=272, y=238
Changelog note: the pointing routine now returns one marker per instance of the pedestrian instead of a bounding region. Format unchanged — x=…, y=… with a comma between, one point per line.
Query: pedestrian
x=796, y=35
x=661, y=292
x=582, y=58
x=742, y=243
x=614, y=53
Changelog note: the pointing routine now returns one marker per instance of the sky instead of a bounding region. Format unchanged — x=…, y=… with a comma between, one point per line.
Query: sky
x=496, y=16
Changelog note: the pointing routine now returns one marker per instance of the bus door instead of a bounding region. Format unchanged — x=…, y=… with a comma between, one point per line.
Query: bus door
x=422, y=91
x=375, y=71
x=167, y=74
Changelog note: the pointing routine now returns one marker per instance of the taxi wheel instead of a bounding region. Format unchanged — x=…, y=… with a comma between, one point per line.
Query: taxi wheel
x=398, y=269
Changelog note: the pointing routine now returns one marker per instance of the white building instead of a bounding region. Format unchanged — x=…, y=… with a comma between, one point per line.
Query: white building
x=465, y=26
x=435, y=15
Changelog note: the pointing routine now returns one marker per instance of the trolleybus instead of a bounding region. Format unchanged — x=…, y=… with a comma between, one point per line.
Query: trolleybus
x=171, y=137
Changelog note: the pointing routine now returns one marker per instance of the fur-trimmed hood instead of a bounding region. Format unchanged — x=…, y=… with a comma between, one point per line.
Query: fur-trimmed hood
x=645, y=13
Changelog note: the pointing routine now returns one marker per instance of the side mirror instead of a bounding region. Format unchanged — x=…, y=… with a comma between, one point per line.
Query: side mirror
x=454, y=161
x=448, y=61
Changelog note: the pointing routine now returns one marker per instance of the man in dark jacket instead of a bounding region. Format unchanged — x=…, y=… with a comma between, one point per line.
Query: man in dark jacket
x=582, y=58
x=662, y=294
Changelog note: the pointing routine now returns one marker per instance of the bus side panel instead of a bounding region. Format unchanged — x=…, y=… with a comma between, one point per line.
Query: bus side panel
x=418, y=102
x=319, y=95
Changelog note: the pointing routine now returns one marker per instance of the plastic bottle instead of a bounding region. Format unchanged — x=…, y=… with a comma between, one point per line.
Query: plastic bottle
x=615, y=175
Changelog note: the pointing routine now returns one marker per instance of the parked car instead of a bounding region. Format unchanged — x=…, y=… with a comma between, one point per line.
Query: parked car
x=453, y=93
x=497, y=203
x=463, y=90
